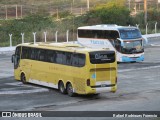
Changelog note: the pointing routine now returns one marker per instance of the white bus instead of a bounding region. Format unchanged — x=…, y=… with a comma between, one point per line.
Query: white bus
x=127, y=41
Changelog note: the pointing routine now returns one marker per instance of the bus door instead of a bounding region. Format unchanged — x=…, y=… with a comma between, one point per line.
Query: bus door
x=25, y=61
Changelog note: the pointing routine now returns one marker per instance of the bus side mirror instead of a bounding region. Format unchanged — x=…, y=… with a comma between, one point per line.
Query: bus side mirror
x=122, y=44
x=13, y=58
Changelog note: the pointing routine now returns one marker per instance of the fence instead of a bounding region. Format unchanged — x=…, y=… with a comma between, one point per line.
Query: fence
x=146, y=28
x=67, y=39
x=19, y=11
x=35, y=39
x=20, y=8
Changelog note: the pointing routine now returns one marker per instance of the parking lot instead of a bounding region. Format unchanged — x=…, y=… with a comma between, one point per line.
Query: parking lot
x=138, y=90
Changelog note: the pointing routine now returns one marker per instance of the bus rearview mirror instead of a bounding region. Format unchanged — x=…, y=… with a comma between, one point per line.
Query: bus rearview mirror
x=13, y=58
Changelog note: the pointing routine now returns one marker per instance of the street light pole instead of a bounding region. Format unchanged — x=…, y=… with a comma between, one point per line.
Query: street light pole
x=157, y=4
x=129, y=4
x=145, y=11
x=88, y=5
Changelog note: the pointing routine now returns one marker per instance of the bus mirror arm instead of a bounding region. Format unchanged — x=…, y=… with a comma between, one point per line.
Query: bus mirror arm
x=13, y=58
x=122, y=43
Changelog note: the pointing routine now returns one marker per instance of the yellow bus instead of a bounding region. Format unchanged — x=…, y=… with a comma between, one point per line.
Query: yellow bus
x=69, y=67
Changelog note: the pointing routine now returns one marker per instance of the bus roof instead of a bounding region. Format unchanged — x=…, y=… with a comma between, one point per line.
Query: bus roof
x=106, y=27
x=64, y=46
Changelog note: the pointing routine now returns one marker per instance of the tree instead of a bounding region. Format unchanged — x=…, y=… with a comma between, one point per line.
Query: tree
x=111, y=3
x=113, y=12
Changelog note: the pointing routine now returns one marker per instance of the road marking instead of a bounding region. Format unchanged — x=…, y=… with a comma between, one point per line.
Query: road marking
x=144, y=68
x=13, y=92
x=155, y=45
x=5, y=76
x=15, y=83
x=2, y=59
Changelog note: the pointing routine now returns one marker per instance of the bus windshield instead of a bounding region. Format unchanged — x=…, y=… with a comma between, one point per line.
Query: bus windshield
x=132, y=47
x=129, y=33
x=100, y=57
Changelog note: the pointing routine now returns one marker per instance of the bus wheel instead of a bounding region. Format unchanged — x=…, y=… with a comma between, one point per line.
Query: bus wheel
x=23, y=78
x=70, y=90
x=62, y=88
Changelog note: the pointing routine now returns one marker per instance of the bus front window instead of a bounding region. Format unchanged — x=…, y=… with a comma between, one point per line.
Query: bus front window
x=130, y=33
x=130, y=47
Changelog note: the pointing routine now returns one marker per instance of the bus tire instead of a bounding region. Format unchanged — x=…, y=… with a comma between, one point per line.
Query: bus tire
x=23, y=78
x=70, y=90
x=62, y=88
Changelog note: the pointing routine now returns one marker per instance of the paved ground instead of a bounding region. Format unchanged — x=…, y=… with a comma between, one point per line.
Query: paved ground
x=138, y=90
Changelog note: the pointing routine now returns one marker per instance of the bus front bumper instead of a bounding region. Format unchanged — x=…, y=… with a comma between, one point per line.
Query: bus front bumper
x=102, y=89
x=133, y=59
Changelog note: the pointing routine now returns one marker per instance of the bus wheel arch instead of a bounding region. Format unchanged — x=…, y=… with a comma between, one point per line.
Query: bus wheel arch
x=70, y=90
x=23, y=78
x=61, y=87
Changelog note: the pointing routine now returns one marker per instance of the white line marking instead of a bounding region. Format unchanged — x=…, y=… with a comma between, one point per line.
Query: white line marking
x=6, y=59
x=144, y=68
x=155, y=45
x=14, y=92
x=15, y=83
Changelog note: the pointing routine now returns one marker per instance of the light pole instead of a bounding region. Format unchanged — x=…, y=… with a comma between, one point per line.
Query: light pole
x=16, y=12
x=145, y=11
x=88, y=5
x=129, y=4
x=156, y=27
x=146, y=28
x=135, y=8
x=6, y=12
x=157, y=4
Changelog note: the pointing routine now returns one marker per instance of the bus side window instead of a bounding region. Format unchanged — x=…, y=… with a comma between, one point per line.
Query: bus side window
x=25, y=53
x=68, y=58
x=59, y=57
x=81, y=58
x=78, y=60
x=37, y=52
x=49, y=56
x=75, y=60
x=64, y=58
x=53, y=57
x=41, y=55
x=32, y=54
